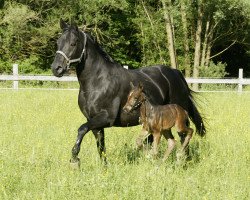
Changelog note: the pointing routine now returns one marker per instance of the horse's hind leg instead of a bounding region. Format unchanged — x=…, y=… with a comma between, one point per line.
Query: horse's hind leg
x=100, y=142
x=171, y=143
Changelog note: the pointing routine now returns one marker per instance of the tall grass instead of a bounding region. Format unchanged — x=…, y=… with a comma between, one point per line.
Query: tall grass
x=38, y=130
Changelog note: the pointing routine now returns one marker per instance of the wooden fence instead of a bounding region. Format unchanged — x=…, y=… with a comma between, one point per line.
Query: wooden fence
x=240, y=81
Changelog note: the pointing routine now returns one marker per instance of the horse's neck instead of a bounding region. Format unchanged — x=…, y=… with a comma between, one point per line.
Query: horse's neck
x=93, y=66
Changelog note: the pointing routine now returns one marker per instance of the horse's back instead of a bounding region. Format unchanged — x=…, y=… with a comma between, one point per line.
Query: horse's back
x=164, y=85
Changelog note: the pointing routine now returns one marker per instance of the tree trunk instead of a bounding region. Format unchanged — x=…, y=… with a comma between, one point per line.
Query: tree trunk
x=205, y=43
x=185, y=40
x=170, y=34
x=209, y=47
x=197, y=52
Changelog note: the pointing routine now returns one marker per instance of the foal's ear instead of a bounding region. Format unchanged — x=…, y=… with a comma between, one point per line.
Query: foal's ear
x=132, y=85
x=63, y=24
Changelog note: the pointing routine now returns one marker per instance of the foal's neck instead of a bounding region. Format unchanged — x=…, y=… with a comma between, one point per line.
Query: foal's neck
x=145, y=108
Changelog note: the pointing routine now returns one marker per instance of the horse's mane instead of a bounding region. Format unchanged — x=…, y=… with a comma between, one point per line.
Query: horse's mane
x=101, y=51
x=74, y=28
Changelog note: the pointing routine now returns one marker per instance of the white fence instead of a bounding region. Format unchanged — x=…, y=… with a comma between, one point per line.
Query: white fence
x=240, y=81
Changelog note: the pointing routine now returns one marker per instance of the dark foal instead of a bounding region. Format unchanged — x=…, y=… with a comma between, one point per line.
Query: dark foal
x=158, y=119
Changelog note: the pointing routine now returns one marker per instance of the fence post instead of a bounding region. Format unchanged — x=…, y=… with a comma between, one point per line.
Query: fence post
x=240, y=80
x=15, y=73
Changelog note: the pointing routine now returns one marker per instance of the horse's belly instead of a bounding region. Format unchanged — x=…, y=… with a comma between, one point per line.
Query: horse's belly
x=127, y=119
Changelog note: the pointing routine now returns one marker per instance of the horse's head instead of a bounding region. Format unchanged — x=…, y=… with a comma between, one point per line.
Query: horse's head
x=70, y=48
x=135, y=98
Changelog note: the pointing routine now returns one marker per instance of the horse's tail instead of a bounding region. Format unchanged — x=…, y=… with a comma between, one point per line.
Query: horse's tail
x=196, y=117
x=193, y=112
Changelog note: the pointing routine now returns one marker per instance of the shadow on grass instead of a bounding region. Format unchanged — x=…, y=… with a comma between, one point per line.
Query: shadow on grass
x=198, y=149
x=130, y=154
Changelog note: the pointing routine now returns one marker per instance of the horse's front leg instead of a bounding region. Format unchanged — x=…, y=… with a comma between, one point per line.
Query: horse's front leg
x=100, y=142
x=95, y=123
x=102, y=119
x=76, y=149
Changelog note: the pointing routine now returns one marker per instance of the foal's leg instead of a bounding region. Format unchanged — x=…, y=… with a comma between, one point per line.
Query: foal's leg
x=100, y=142
x=143, y=135
x=185, y=134
x=189, y=135
x=171, y=143
x=157, y=137
x=182, y=139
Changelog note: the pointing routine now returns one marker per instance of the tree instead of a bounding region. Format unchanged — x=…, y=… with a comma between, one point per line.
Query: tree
x=1, y=4
x=197, y=52
x=133, y=32
x=170, y=33
x=184, y=20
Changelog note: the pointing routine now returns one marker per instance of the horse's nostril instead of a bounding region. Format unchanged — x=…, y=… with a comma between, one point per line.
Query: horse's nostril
x=58, y=67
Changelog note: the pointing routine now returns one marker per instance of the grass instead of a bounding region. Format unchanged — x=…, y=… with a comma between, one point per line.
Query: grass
x=38, y=130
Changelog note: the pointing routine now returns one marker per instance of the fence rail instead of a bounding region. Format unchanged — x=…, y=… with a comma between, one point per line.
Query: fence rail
x=240, y=81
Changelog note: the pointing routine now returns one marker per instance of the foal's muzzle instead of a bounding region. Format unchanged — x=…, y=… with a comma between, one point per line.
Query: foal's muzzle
x=127, y=109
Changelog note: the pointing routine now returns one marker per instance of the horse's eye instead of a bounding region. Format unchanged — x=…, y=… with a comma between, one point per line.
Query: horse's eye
x=73, y=44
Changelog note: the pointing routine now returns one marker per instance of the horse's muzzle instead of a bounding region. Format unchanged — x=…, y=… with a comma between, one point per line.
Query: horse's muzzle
x=58, y=71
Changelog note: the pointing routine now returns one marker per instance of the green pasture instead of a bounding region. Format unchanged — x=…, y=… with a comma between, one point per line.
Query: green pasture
x=38, y=129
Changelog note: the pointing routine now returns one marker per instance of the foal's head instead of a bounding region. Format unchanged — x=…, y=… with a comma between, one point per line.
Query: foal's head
x=135, y=98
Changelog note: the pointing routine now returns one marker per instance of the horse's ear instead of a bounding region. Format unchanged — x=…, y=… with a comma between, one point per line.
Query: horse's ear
x=132, y=85
x=63, y=24
x=140, y=86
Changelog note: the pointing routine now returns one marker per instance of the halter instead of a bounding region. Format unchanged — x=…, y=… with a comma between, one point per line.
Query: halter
x=138, y=104
x=69, y=61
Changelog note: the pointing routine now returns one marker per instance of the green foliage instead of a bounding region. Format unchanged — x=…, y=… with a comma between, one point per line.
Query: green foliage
x=132, y=32
x=40, y=127
x=214, y=70
x=29, y=65
x=15, y=31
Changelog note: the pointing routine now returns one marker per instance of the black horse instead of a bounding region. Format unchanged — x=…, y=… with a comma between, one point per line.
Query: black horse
x=105, y=84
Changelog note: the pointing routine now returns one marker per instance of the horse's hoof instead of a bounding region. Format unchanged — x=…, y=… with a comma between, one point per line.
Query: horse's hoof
x=181, y=159
x=75, y=163
x=180, y=156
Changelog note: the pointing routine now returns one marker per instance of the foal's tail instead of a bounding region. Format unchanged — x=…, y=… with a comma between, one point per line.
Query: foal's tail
x=195, y=116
